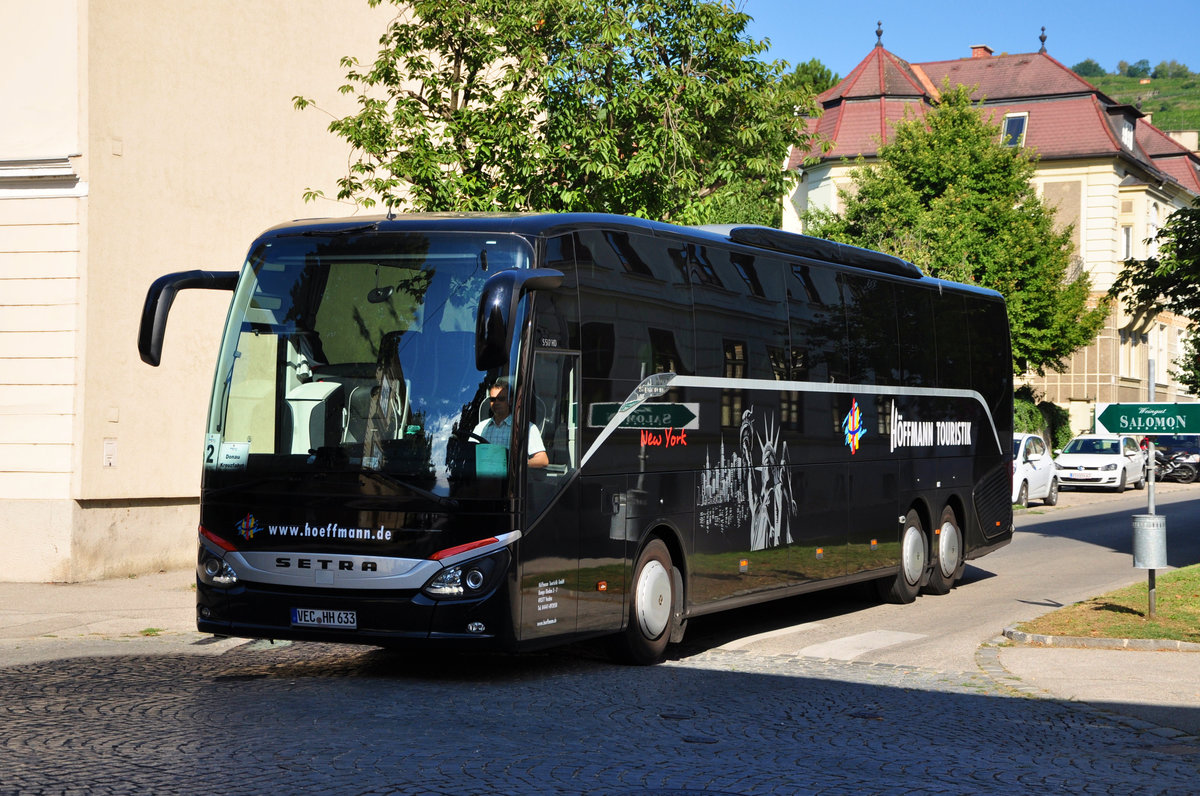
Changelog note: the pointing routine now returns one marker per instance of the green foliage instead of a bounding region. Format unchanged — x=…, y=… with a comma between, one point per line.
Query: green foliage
x=1169, y=69
x=947, y=196
x=1033, y=416
x=812, y=76
x=1174, y=101
x=1169, y=282
x=1026, y=417
x=1138, y=69
x=1058, y=420
x=659, y=109
x=1088, y=68
x=1186, y=369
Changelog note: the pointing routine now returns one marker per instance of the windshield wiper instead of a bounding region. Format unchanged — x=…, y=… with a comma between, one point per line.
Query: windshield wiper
x=324, y=232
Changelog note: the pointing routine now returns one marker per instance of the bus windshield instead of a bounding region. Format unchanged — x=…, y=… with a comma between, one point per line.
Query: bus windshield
x=356, y=352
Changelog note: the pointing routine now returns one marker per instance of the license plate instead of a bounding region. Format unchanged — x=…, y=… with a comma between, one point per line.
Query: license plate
x=314, y=617
x=1070, y=474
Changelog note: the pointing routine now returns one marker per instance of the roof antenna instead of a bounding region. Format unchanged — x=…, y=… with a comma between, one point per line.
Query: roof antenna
x=879, y=33
x=391, y=213
x=1042, y=39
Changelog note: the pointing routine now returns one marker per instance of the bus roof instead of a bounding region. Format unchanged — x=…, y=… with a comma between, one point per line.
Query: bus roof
x=550, y=224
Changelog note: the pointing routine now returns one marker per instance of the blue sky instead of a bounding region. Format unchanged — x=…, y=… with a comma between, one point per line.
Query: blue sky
x=842, y=32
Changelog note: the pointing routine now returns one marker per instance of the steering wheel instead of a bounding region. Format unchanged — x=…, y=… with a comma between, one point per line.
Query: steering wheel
x=471, y=436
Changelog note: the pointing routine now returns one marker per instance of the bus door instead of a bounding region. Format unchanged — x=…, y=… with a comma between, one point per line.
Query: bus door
x=550, y=547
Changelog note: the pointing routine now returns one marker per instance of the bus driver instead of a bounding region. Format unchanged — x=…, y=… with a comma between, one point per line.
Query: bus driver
x=497, y=429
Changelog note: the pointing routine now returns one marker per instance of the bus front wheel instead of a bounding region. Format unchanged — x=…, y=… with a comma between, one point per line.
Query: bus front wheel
x=651, y=606
x=907, y=583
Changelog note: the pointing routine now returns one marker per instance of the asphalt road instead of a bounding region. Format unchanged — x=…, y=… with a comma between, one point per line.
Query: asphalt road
x=1059, y=555
x=900, y=709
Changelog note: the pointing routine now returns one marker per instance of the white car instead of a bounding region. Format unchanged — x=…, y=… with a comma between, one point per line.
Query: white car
x=1104, y=460
x=1033, y=473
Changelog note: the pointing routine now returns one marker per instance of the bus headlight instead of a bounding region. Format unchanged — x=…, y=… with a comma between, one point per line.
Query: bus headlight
x=467, y=580
x=447, y=583
x=214, y=571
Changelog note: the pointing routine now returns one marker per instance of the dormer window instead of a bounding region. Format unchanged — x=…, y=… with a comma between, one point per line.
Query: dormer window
x=1012, y=132
x=1127, y=133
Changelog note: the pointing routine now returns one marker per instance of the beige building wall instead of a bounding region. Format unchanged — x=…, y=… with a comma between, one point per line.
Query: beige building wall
x=145, y=137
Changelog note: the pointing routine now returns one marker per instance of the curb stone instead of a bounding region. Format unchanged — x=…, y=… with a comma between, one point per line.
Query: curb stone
x=1140, y=644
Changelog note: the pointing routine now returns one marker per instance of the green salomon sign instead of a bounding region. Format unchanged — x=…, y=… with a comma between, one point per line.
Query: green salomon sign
x=648, y=415
x=1148, y=418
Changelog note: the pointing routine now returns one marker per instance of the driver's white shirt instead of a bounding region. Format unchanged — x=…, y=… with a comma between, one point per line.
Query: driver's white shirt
x=500, y=434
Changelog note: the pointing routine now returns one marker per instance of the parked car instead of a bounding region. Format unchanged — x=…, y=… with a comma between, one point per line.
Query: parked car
x=1105, y=460
x=1033, y=473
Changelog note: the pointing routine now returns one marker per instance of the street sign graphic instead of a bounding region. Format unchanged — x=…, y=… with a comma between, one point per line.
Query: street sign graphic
x=648, y=415
x=1148, y=418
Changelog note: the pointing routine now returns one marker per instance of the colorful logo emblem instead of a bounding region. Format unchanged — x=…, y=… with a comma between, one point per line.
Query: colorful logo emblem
x=852, y=425
x=248, y=527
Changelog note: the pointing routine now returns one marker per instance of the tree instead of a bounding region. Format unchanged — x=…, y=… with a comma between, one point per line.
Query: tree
x=658, y=109
x=1138, y=69
x=1170, y=68
x=811, y=75
x=1169, y=282
x=947, y=196
x=1088, y=68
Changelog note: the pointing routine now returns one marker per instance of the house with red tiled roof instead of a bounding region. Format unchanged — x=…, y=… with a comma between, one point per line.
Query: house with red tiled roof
x=1102, y=166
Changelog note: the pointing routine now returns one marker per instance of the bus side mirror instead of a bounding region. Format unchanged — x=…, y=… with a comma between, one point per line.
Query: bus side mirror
x=498, y=307
x=158, y=305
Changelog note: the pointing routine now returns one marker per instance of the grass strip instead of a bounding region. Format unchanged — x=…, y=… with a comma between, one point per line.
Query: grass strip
x=1123, y=613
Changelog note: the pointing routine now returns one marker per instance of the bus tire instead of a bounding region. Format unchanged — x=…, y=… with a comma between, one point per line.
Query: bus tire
x=905, y=586
x=948, y=567
x=651, y=606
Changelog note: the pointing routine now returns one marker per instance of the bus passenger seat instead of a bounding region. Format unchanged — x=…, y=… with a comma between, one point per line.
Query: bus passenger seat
x=358, y=409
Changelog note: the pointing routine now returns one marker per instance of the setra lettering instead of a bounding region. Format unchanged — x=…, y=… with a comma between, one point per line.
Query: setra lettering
x=342, y=565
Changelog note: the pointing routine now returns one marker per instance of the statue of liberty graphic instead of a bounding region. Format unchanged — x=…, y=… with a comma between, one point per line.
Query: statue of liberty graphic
x=769, y=485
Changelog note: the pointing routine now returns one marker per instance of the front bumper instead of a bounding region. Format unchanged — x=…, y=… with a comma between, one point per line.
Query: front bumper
x=384, y=618
x=1089, y=478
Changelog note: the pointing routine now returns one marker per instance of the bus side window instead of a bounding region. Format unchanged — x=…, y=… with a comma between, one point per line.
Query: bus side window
x=555, y=413
x=628, y=280
x=871, y=328
x=918, y=358
x=953, y=341
x=818, y=325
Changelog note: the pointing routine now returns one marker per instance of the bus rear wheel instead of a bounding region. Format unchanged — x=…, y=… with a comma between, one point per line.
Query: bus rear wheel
x=651, y=607
x=907, y=583
x=949, y=565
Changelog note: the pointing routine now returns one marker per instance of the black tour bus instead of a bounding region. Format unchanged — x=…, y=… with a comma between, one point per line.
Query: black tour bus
x=691, y=419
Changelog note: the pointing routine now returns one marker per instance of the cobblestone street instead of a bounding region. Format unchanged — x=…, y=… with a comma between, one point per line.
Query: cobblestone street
x=324, y=718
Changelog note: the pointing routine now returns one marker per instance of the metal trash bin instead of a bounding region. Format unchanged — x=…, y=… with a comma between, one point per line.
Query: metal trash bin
x=1149, y=541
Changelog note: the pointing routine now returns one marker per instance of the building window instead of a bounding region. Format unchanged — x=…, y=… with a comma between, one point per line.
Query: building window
x=1013, y=130
x=1126, y=243
x=1127, y=133
x=735, y=368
